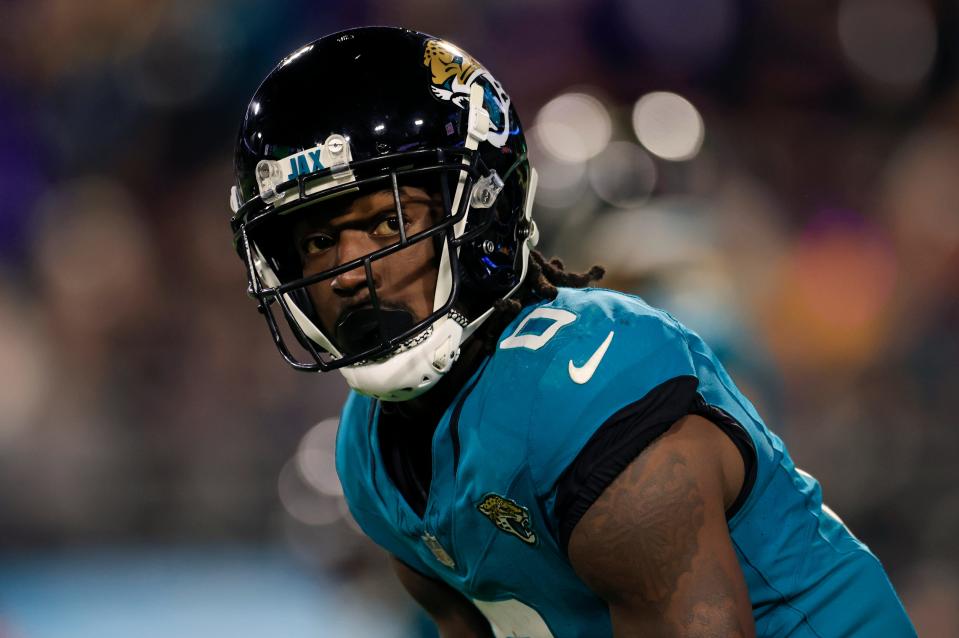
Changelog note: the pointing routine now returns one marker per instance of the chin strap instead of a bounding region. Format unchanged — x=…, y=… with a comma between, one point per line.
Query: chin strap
x=525, y=248
x=478, y=124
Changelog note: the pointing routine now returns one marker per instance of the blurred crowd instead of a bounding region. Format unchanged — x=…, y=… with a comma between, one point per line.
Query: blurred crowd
x=782, y=176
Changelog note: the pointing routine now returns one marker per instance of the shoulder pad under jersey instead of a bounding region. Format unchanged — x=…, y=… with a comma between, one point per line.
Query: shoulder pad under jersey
x=573, y=362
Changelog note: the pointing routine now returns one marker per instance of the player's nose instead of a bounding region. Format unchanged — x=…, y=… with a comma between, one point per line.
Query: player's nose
x=353, y=282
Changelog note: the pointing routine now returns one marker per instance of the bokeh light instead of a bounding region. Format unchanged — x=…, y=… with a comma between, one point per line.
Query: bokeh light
x=668, y=234
x=891, y=42
x=623, y=175
x=315, y=459
x=304, y=503
x=834, y=292
x=560, y=182
x=668, y=125
x=573, y=127
x=24, y=366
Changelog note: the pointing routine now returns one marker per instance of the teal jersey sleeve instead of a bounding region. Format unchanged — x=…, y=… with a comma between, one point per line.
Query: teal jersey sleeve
x=587, y=355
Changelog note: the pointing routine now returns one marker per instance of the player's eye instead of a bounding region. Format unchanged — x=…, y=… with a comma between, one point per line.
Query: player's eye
x=387, y=227
x=315, y=244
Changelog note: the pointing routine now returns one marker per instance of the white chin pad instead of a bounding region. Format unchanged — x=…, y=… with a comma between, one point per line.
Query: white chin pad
x=411, y=372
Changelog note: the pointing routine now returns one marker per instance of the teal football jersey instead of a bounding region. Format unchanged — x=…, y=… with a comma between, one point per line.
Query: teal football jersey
x=491, y=526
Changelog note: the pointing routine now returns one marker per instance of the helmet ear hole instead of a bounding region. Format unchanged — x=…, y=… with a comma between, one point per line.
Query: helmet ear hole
x=492, y=262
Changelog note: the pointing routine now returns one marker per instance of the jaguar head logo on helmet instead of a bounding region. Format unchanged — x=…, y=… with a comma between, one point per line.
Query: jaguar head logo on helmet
x=455, y=72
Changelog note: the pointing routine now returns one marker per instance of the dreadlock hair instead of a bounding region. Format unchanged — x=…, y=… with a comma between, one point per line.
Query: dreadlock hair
x=543, y=276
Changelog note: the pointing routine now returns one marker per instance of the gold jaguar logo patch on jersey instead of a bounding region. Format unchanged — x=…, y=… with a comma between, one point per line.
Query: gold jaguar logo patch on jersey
x=508, y=515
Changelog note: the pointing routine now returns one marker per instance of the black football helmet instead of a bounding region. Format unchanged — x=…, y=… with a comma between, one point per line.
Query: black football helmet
x=370, y=110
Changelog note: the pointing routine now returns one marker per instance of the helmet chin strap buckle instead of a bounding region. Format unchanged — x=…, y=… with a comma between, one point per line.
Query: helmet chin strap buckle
x=446, y=355
x=486, y=190
x=268, y=176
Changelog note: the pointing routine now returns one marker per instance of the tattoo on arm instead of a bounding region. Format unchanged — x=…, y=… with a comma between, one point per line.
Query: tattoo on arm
x=710, y=612
x=667, y=507
x=651, y=546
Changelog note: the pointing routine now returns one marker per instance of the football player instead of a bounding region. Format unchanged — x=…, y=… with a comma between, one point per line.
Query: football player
x=538, y=457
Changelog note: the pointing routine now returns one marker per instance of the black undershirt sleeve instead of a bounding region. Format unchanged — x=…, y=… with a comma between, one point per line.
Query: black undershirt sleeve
x=627, y=433
x=735, y=431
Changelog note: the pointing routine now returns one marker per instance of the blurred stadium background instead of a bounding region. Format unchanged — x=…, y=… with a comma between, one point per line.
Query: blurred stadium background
x=783, y=176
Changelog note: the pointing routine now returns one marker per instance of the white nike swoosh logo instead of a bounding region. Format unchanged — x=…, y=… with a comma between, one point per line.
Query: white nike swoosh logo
x=585, y=372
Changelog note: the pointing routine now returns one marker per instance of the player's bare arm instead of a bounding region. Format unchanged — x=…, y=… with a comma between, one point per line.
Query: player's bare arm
x=455, y=617
x=655, y=545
